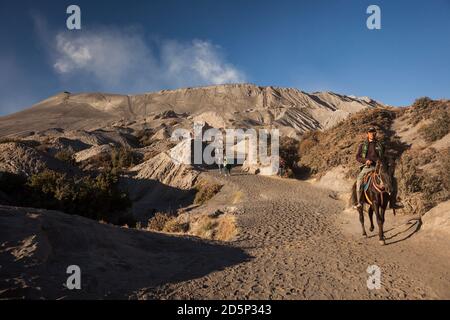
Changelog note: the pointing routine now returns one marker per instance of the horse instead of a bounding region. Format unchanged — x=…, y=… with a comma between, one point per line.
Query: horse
x=377, y=195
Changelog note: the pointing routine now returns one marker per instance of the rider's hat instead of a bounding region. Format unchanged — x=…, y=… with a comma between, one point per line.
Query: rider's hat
x=372, y=129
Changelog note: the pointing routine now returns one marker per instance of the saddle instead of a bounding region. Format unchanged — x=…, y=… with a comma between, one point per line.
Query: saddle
x=366, y=181
x=372, y=178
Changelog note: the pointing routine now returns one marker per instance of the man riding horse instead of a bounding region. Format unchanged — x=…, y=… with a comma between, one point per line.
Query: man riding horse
x=369, y=152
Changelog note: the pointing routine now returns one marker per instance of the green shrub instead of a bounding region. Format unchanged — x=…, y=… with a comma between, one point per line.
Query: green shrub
x=97, y=197
x=122, y=158
x=97, y=162
x=422, y=103
x=115, y=161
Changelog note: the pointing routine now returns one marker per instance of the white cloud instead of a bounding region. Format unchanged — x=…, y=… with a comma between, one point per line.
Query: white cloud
x=123, y=61
x=73, y=55
x=199, y=61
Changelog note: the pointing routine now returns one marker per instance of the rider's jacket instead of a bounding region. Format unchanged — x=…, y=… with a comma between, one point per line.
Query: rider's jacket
x=373, y=151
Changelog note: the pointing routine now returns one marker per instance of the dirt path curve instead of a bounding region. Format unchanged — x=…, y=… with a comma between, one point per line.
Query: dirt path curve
x=304, y=247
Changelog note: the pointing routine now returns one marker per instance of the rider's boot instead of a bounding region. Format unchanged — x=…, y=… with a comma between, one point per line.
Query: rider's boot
x=359, y=199
x=361, y=195
x=395, y=205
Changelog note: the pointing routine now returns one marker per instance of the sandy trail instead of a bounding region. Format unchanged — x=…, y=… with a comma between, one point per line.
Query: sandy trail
x=304, y=246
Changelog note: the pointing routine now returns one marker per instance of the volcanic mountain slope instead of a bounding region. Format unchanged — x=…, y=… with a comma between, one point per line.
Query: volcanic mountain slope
x=234, y=105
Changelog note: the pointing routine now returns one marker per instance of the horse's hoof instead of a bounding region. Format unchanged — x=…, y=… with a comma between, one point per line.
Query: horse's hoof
x=382, y=242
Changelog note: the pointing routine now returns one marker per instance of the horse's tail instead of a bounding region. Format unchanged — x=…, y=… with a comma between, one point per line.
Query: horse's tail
x=353, y=196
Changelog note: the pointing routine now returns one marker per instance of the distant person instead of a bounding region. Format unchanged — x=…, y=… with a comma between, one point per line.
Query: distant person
x=282, y=169
x=219, y=162
x=227, y=166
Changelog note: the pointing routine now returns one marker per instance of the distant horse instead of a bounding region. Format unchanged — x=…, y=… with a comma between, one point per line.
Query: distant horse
x=377, y=194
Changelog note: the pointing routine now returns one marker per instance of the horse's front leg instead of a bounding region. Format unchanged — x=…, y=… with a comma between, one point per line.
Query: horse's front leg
x=380, y=221
x=361, y=219
x=371, y=219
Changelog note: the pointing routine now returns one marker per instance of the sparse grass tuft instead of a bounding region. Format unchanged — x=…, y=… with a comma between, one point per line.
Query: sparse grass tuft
x=237, y=197
x=222, y=228
x=226, y=228
x=174, y=226
x=66, y=155
x=159, y=220
x=205, y=192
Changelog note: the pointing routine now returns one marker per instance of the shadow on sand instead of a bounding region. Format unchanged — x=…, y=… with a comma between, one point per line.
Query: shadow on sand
x=149, y=196
x=115, y=263
x=402, y=232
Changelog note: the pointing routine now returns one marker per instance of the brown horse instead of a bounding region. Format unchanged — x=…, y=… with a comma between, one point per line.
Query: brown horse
x=377, y=195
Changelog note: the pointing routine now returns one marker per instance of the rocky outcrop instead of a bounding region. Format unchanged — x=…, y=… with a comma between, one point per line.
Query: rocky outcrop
x=165, y=170
x=92, y=152
x=161, y=134
x=268, y=169
x=21, y=159
x=438, y=220
x=160, y=184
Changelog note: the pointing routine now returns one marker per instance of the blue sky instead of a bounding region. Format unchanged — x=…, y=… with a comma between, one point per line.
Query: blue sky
x=139, y=46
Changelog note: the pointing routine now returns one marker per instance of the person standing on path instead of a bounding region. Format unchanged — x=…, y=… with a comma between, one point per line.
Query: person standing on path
x=219, y=160
x=227, y=166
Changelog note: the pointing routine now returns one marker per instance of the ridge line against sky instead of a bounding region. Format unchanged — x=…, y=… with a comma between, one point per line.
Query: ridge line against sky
x=145, y=46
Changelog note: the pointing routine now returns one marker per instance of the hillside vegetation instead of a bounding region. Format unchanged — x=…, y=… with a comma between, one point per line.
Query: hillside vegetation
x=321, y=151
x=97, y=197
x=421, y=168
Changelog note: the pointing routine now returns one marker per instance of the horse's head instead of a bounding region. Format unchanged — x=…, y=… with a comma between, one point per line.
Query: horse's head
x=382, y=168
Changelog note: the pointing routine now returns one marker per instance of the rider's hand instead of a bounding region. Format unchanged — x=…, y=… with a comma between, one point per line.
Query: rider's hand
x=368, y=162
